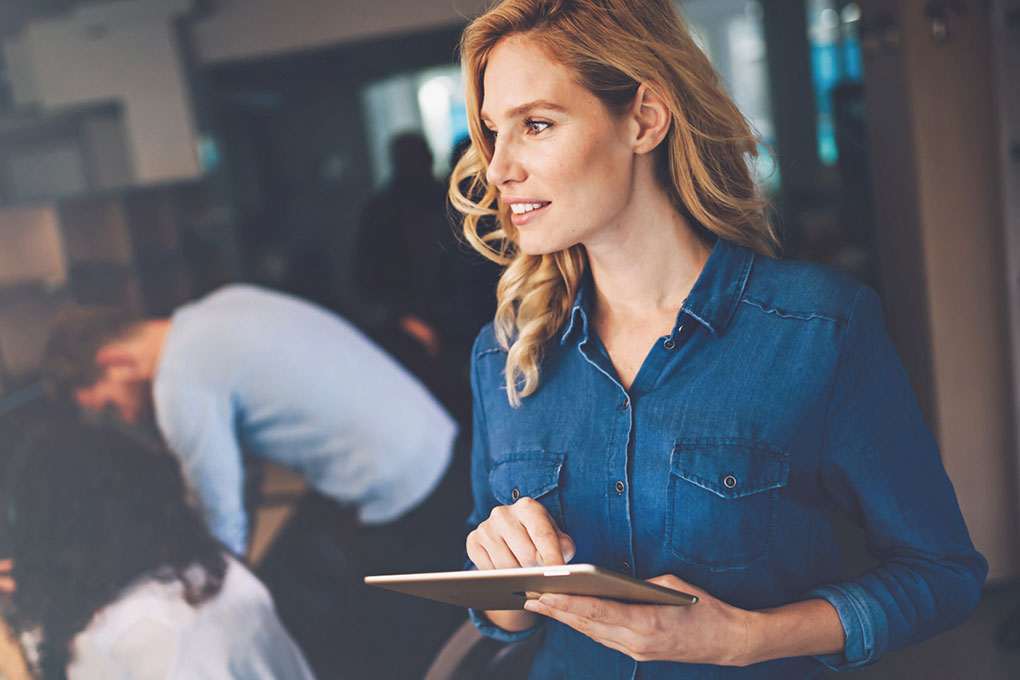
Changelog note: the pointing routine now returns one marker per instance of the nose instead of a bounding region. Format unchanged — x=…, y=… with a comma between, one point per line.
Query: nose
x=504, y=167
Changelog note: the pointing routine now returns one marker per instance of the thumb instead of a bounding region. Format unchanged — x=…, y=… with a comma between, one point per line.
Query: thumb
x=676, y=583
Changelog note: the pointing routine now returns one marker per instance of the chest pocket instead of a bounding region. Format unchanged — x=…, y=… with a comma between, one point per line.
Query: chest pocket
x=723, y=497
x=529, y=474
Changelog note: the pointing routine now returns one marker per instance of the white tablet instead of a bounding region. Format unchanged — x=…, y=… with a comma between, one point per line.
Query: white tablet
x=511, y=588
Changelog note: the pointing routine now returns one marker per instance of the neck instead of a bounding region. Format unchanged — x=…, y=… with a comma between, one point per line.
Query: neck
x=647, y=265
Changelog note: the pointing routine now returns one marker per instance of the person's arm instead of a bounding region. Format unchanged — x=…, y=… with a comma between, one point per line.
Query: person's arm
x=526, y=526
x=12, y=661
x=199, y=429
x=881, y=466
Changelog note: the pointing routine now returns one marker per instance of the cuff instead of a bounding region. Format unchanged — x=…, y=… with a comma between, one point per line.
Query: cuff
x=863, y=624
x=489, y=629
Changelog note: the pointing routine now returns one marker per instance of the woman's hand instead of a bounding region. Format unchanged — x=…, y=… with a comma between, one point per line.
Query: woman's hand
x=519, y=535
x=709, y=631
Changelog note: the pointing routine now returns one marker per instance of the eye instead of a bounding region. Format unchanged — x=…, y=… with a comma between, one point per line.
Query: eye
x=536, y=126
x=491, y=133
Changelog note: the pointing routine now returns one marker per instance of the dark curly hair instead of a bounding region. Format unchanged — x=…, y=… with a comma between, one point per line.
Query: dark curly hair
x=86, y=511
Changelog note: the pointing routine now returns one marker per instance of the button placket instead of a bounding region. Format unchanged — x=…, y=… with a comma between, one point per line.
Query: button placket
x=669, y=343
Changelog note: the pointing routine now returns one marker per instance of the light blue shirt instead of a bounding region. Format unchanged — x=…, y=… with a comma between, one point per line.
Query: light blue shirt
x=254, y=370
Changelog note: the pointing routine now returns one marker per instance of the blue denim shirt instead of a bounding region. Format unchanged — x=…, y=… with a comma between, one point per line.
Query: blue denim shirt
x=776, y=401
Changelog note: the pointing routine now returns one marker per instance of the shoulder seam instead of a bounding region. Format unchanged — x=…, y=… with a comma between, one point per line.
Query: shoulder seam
x=492, y=350
x=793, y=314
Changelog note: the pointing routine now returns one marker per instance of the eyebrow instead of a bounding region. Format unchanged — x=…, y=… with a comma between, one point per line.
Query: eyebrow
x=525, y=109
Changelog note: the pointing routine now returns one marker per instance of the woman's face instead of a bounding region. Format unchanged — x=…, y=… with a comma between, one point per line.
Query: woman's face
x=562, y=161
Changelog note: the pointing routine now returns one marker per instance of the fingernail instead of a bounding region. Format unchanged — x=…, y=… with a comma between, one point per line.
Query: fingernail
x=548, y=600
x=531, y=606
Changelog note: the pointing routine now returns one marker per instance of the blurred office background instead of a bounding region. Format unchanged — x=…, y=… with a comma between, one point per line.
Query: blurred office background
x=151, y=150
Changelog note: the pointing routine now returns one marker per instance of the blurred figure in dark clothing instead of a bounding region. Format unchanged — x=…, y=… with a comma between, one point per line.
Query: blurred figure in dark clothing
x=398, y=263
x=430, y=292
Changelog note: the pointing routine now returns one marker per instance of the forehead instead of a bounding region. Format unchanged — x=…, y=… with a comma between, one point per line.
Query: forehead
x=518, y=72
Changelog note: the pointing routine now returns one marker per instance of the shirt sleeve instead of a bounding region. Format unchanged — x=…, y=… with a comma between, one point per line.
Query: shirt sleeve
x=484, y=501
x=199, y=429
x=881, y=466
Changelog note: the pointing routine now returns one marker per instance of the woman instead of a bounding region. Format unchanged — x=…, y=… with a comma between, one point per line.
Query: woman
x=660, y=396
x=121, y=576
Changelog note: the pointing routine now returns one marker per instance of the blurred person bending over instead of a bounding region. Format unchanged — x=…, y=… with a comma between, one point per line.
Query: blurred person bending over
x=247, y=369
x=120, y=574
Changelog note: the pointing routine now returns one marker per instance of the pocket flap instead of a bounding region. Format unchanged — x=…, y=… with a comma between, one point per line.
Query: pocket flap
x=730, y=468
x=527, y=474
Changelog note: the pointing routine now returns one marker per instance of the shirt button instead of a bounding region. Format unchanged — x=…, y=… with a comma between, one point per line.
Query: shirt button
x=625, y=404
x=669, y=344
x=516, y=493
x=729, y=481
x=625, y=567
x=620, y=487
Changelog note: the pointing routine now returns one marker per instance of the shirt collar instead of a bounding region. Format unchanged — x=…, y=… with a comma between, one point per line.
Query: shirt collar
x=711, y=302
x=578, y=317
x=718, y=290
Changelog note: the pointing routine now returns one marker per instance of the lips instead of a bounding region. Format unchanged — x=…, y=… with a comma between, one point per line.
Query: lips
x=523, y=211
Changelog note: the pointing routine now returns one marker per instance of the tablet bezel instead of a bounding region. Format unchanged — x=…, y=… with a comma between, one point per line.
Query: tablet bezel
x=505, y=589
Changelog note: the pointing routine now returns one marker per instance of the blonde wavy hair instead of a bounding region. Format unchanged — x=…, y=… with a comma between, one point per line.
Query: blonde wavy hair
x=612, y=46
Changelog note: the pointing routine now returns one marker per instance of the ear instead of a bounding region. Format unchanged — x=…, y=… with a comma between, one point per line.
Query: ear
x=119, y=361
x=653, y=118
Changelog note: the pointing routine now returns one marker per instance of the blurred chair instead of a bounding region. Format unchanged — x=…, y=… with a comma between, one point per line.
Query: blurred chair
x=469, y=655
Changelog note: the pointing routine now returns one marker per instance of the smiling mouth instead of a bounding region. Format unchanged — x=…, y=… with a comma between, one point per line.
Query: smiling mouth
x=523, y=208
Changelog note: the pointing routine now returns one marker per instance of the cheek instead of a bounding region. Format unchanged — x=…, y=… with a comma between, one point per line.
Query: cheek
x=604, y=167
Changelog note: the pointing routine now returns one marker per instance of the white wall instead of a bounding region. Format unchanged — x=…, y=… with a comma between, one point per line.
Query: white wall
x=241, y=29
x=124, y=51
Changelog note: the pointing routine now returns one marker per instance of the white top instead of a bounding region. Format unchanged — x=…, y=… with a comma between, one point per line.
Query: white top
x=247, y=368
x=151, y=633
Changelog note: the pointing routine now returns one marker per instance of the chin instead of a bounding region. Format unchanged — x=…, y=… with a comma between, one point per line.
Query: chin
x=535, y=245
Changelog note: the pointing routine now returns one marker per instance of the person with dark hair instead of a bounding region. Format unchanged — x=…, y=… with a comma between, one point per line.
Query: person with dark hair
x=253, y=371
x=121, y=575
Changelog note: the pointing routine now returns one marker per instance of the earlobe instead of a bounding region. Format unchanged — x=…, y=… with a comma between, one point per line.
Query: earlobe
x=653, y=119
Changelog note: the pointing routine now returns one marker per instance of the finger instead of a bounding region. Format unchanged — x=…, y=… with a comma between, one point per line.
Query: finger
x=507, y=526
x=7, y=564
x=7, y=584
x=477, y=553
x=606, y=631
x=499, y=552
x=543, y=531
x=594, y=608
x=567, y=548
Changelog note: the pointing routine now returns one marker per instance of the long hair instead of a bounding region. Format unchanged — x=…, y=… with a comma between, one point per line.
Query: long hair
x=612, y=47
x=85, y=512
